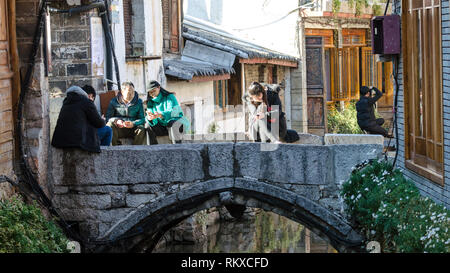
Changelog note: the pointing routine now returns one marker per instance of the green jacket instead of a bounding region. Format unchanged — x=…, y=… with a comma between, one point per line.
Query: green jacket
x=168, y=106
x=134, y=111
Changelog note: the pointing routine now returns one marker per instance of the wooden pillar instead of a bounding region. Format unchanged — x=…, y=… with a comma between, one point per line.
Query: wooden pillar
x=15, y=64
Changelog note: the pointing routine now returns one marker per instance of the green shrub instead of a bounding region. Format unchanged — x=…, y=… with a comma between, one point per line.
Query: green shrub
x=343, y=122
x=389, y=209
x=23, y=229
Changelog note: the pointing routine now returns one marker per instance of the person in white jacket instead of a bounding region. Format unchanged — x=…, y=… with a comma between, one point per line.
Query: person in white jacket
x=256, y=101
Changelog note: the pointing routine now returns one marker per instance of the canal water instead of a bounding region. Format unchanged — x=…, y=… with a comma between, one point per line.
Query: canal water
x=256, y=232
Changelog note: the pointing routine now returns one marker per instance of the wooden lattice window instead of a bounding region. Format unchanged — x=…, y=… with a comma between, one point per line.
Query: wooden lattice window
x=127, y=13
x=134, y=26
x=327, y=34
x=378, y=74
x=344, y=73
x=422, y=55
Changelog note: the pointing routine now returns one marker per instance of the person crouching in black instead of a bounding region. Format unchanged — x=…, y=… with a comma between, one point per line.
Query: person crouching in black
x=365, y=108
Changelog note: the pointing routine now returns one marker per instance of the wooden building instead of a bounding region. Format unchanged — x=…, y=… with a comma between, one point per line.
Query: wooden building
x=8, y=92
x=424, y=96
x=349, y=63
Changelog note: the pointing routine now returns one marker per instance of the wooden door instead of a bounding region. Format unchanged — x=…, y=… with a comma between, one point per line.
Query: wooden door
x=6, y=115
x=315, y=81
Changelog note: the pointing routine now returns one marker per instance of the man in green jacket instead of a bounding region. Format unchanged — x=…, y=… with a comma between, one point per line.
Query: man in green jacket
x=164, y=114
x=125, y=115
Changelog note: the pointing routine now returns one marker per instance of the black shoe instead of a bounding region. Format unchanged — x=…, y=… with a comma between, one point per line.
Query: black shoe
x=389, y=136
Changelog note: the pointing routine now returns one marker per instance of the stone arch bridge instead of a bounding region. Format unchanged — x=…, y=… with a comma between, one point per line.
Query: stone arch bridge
x=126, y=197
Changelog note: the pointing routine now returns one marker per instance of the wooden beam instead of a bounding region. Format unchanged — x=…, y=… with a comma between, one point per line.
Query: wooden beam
x=269, y=61
x=210, y=78
x=346, y=15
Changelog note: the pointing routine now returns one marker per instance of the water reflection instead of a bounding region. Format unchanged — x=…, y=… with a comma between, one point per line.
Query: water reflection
x=257, y=232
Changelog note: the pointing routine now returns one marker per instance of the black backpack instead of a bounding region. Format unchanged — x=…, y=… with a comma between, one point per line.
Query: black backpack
x=273, y=95
x=291, y=136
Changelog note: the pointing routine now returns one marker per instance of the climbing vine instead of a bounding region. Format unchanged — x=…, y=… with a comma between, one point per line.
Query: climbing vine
x=336, y=6
x=358, y=5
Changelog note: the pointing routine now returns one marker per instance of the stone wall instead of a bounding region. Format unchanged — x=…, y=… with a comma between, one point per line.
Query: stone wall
x=71, y=51
x=36, y=106
x=99, y=191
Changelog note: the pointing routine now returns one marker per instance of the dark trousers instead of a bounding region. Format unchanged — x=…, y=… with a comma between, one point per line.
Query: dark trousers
x=374, y=128
x=159, y=130
x=137, y=133
x=105, y=135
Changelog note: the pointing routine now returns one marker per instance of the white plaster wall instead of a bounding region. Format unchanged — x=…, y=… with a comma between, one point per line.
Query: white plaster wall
x=119, y=43
x=201, y=95
x=134, y=70
x=153, y=28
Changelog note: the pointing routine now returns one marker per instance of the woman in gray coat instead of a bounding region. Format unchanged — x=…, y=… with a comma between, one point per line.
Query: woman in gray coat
x=256, y=101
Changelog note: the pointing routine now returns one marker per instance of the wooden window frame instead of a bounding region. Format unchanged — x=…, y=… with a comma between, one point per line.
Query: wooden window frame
x=423, y=133
x=275, y=74
x=224, y=90
x=377, y=78
x=128, y=25
x=261, y=72
x=327, y=35
x=349, y=33
x=343, y=66
x=173, y=40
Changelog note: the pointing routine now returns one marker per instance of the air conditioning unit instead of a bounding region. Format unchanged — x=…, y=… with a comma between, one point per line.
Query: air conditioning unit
x=386, y=36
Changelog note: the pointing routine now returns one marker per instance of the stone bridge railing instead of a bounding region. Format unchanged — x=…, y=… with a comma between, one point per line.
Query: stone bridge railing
x=145, y=189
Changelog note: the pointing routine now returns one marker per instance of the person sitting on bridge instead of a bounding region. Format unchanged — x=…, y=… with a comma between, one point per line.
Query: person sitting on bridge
x=365, y=108
x=125, y=115
x=274, y=101
x=78, y=122
x=164, y=114
x=104, y=133
x=257, y=105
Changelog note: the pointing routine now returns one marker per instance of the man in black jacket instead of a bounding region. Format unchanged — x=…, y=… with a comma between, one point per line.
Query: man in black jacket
x=78, y=122
x=365, y=108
